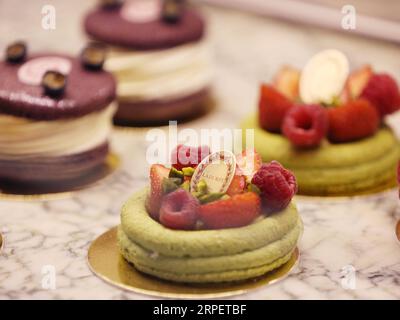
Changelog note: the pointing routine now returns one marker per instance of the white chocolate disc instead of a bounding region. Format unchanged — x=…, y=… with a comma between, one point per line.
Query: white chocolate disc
x=324, y=77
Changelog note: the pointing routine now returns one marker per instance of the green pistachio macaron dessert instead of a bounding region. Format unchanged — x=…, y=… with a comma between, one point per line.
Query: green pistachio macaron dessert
x=332, y=136
x=181, y=229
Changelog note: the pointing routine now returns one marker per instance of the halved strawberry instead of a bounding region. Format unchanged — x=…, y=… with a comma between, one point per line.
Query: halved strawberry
x=356, y=83
x=272, y=108
x=287, y=82
x=353, y=120
x=153, y=202
x=237, y=211
x=248, y=162
x=238, y=184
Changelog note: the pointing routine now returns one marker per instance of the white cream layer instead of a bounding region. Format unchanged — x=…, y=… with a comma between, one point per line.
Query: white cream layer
x=24, y=138
x=163, y=74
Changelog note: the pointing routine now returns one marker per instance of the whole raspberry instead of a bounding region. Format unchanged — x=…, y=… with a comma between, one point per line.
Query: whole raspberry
x=185, y=156
x=382, y=91
x=277, y=185
x=306, y=125
x=179, y=210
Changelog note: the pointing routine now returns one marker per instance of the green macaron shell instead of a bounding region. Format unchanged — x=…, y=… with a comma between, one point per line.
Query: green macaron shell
x=332, y=169
x=206, y=255
x=151, y=235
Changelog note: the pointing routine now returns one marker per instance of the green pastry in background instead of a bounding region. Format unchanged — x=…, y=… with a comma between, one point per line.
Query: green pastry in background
x=328, y=126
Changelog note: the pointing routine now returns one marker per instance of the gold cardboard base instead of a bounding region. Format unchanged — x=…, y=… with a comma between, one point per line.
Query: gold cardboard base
x=60, y=190
x=107, y=263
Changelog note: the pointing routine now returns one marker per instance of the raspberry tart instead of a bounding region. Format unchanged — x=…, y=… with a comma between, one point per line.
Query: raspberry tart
x=327, y=126
x=185, y=228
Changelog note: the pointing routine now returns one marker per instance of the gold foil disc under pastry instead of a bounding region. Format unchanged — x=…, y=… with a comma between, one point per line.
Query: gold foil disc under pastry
x=60, y=190
x=107, y=263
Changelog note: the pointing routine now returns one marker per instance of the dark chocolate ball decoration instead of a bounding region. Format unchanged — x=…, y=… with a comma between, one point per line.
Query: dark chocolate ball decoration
x=110, y=4
x=16, y=52
x=93, y=56
x=54, y=83
x=172, y=10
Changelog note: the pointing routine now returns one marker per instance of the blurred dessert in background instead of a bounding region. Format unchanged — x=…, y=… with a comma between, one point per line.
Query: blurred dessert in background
x=158, y=55
x=327, y=126
x=55, y=115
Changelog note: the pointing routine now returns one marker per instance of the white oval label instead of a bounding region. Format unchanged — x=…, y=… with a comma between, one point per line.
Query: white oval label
x=141, y=11
x=32, y=72
x=217, y=170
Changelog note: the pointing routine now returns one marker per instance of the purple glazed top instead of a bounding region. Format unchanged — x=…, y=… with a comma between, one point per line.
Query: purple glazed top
x=139, y=28
x=22, y=95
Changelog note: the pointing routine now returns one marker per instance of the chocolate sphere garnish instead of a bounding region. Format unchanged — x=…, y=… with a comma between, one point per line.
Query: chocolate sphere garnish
x=172, y=10
x=16, y=52
x=54, y=83
x=93, y=56
x=110, y=4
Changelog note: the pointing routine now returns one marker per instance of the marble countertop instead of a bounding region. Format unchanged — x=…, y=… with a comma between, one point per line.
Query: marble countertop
x=349, y=249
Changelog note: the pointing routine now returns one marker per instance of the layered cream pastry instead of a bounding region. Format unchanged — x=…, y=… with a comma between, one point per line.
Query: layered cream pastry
x=162, y=67
x=194, y=227
x=55, y=116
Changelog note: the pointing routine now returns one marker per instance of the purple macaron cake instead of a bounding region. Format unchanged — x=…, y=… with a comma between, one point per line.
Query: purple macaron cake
x=157, y=52
x=55, y=115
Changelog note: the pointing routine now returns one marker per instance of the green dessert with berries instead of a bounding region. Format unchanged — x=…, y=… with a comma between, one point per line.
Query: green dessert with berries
x=332, y=137
x=183, y=231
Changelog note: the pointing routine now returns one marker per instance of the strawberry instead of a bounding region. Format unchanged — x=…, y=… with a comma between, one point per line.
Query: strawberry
x=287, y=81
x=356, y=83
x=382, y=91
x=153, y=202
x=249, y=161
x=238, y=184
x=353, y=120
x=237, y=211
x=272, y=108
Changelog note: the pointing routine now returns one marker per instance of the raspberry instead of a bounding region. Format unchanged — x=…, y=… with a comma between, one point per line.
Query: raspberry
x=272, y=108
x=277, y=185
x=306, y=125
x=382, y=91
x=352, y=121
x=179, y=210
x=184, y=156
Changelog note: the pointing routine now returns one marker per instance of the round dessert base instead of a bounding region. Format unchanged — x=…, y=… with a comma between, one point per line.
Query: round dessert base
x=57, y=190
x=107, y=263
x=398, y=230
